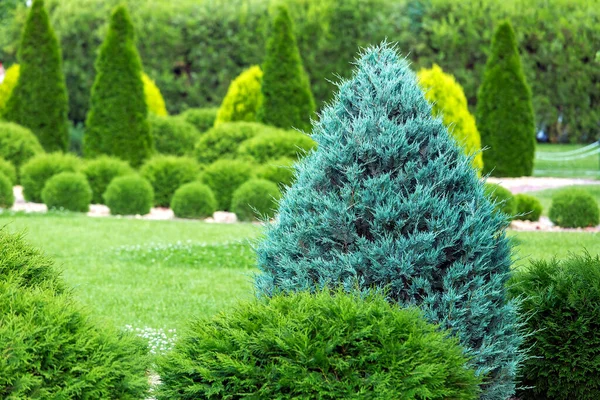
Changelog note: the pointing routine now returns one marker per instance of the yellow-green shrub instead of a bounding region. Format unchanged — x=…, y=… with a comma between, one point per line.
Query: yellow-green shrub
x=449, y=103
x=8, y=84
x=154, y=99
x=242, y=98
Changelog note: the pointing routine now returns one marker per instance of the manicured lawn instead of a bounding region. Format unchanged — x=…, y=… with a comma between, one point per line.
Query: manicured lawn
x=545, y=196
x=160, y=274
x=588, y=167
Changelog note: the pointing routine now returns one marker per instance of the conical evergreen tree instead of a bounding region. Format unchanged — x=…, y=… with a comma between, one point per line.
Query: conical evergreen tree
x=287, y=100
x=389, y=201
x=117, y=123
x=504, y=110
x=243, y=97
x=39, y=100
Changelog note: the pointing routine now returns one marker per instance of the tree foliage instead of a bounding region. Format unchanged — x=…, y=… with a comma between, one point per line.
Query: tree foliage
x=243, y=97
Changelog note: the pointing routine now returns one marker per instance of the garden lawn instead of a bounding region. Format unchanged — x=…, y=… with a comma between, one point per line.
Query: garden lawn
x=588, y=167
x=160, y=274
x=545, y=196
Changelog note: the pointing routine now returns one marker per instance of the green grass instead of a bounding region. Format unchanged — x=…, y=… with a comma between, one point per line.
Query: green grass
x=588, y=167
x=545, y=196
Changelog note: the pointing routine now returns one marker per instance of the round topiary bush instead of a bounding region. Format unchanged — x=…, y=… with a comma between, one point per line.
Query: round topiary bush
x=574, y=208
x=202, y=118
x=7, y=197
x=193, y=200
x=166, y=174
x=276, y=144
x=173, y=135
x=256, y=198
x=18, y=144
x=561, y=299
x=529, y=208
x=36, y=172
x=224, y=177
x=279, y=171
x=321, y=346
x=101, y=171
x=8, y=170
x=129, y=195
x=503, y=199
x=223, y=141
x=69, y=191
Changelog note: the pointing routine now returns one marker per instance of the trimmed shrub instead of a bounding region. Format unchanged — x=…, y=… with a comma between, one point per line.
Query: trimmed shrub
x=574, y=208
x=502, y=198
x=224, y=177
x=279, y=171
x=389, y=201
x=243, y=97
x=276, y=144
x=18, y=144
x=129, y=195
x=36, y=172
x=8, y=170
x=255, y=199
x=448, y=102
x=561, y=299
x=504, y=110
x=154, y=99
x=529, y=208
x=11, y=76
x=166, y=174
x=7, y=197
x=173, y=135
x=101, y=171
x=361, y=348
x=69, y=191
x=223, y=141
x=202, y=118
x=39, y=100
x=193, y=200
x=287, y=101
x=117, y=123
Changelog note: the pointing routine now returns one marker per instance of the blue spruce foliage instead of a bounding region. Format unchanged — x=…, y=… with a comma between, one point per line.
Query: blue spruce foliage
x=390, y=201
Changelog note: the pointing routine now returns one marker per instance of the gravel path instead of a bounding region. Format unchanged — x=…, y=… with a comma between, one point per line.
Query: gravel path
x=531, y=184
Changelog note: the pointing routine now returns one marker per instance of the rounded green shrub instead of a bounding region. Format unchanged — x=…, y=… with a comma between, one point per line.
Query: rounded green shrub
x=101, y=171
x=503, y=199
x=36, y=172
x=7, y=197
x=279, y=171
x=276, y=144
x=574, y=208
x=173, y=135
x=224, y=177
x=243, y=97
x=202, y=118
x=561, y=299
x=166, y=174
x=321, y=346
x=8, y=170
x=193, y=200
x=255, y=199
x=18, y=144
x=129, y=195
x=69, y=191
x=223, y=141
x=528, y=207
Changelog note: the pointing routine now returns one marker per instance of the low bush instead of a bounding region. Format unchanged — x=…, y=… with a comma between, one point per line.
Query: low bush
x=18, y=144
x=8, y=170
x=279, y=171
x=166, y=174
x=223, y=141
x=528, y=207
x=193, y=200
x=561, y=299
x=276, y=144
x=255, y=199
x=129, y=195
x=322, y=346
x=36, y=172
x=224, y=177
x=574, y=208
x=502, y=198
x=173, y=135
x=7, y=197
x=202, y=118
x=101, y=171
x=69, y=191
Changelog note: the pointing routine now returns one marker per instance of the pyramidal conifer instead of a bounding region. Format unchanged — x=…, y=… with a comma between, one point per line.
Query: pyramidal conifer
x=117, y=123
x=39, y=100
x=389, y=201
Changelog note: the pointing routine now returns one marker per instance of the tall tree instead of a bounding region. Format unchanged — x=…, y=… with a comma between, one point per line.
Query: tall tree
x=117, y=123
x=504, y=110
x=39, y=100
x=287, y=101
x=389, y=201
